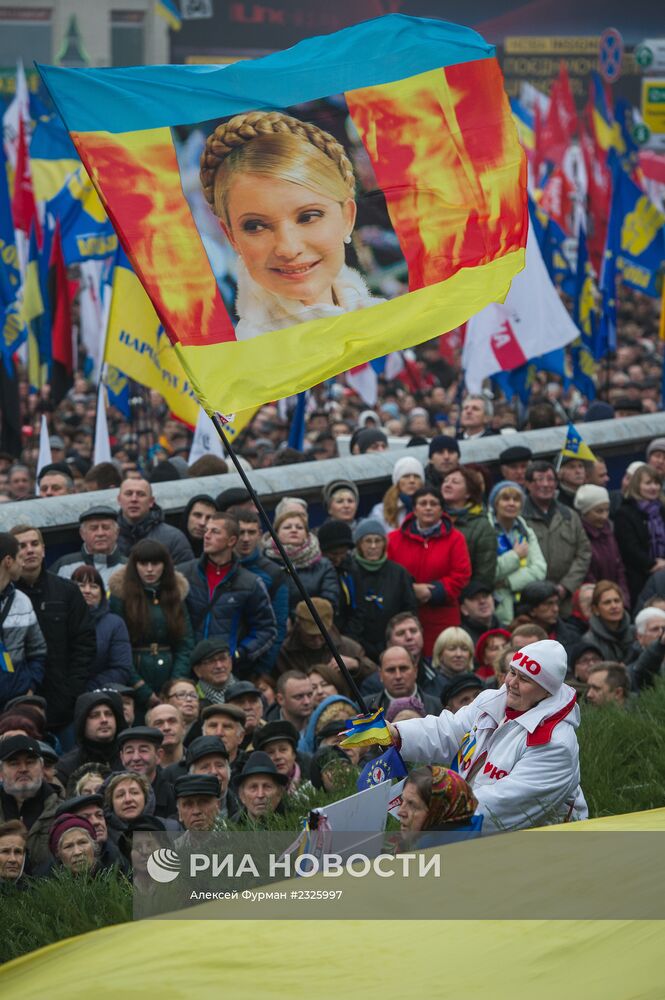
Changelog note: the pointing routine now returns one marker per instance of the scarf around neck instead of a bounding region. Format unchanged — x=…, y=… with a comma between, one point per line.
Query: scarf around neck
x=302, y=556
x=656, y=526
x=371, y=566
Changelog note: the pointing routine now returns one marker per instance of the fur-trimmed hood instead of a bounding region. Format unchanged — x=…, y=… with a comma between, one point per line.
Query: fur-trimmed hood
x=260, y=310
x=117, y=584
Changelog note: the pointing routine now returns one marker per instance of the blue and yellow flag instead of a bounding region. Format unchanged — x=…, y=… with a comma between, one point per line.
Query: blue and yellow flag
x=8, y=256
x=52, y=157
x=168, y=10
x=138, y=348
x=365, y=730
x=585, y=314
x=607, y=130
x=85, y=230
x=575, y=447
x=6, y=665
x=32, y=313
x=316, y=158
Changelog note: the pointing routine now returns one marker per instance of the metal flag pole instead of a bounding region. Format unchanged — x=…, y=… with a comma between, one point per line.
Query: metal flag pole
x=290, y=568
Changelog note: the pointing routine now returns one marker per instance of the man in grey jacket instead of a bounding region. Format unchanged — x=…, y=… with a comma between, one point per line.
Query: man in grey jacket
x=562, y=539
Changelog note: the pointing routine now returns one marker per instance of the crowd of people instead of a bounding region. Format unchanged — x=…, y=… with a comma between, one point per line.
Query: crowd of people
x=173, y=678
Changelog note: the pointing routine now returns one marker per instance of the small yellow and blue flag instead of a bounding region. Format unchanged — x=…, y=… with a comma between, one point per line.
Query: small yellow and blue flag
x=366, y=730
x=575, y=447
x=6, y=665
x=168, y=10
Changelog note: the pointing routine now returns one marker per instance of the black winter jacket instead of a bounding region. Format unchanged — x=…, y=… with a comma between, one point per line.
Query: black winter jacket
x=71, y=645
x=239, y=611
x=632, y=534
x=378, y=596
x=86, y=750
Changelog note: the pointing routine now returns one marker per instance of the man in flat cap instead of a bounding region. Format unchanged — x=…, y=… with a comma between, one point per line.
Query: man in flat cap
x=139, y=753
x=280, y=740
x=260, y=787
x=212, y=665
x=199, y=798
x=208, y=755
x=227, y=722
x=25, y=795
x=513, y=463
x=98, y=528
x=247, y=697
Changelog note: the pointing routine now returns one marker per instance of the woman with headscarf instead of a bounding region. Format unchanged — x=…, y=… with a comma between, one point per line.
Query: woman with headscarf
x=436, y=798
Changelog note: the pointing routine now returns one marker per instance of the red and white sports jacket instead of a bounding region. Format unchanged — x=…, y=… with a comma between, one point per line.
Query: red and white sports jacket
x=524, y=772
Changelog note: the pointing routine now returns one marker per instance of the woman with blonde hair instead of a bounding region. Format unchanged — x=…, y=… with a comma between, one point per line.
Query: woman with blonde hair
x=639, y=526
x=284, y=192
x=453, y=652
x=317, y=574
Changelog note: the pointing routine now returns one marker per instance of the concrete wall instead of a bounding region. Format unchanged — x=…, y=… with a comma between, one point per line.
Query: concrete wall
x=618, y=441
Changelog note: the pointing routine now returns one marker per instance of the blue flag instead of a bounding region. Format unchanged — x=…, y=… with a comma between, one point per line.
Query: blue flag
x=585, y=314
x=11, y=281
x=297, y=428
x=85, y=229
x=551, y=240
x=389, y=765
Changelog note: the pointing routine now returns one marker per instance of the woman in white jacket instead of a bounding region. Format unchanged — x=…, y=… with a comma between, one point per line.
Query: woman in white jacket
x=516, y=747
x=519, y=557
x=284, y=192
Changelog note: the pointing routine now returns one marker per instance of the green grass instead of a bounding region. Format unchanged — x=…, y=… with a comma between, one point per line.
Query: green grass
x=622, y=759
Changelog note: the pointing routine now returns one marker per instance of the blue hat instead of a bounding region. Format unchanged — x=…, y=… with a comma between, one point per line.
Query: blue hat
x=505, y=484
x=368, y=526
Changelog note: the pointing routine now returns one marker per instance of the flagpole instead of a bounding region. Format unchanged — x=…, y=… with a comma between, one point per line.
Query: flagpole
x=290, y=568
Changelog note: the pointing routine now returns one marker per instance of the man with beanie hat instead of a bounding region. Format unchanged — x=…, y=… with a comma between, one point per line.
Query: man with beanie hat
x=369, y=441
x=592, y=503
x=444, y=456
x=336, y=542
x=516, y=747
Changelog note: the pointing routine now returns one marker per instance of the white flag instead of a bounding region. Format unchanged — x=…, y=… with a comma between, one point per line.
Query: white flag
x=532, y=321
x=102, y=451
x=206, y=439
x=19, y=107
x=91, y=310
x=45, y=457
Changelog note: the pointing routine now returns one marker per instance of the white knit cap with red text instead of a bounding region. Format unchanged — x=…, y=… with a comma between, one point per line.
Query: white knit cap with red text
x=545, y=662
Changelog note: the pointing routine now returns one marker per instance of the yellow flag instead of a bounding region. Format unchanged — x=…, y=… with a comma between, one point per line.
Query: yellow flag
x=575, y=446
x=137, y=345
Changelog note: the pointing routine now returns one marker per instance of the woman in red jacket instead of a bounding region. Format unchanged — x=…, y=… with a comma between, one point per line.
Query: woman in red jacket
x=436, y=556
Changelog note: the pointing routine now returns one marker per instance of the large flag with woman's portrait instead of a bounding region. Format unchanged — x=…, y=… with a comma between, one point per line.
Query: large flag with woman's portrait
x=294, y=216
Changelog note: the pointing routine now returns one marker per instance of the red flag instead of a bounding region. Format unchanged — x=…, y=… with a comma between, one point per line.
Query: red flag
x=599, y=190
x=557, y=199
x=24, y=206
x=61, y=323
x=561, y=123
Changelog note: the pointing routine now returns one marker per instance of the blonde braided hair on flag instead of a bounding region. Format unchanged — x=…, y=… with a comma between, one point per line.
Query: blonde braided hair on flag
x=278, y=144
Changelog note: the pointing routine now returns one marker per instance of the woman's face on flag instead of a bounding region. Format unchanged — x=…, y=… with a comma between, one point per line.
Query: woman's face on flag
x=290, y=238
